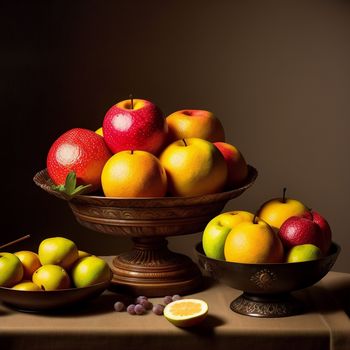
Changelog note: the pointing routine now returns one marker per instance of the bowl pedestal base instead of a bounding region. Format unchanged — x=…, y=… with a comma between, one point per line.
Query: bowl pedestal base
x=268, y=306
x=151, y=269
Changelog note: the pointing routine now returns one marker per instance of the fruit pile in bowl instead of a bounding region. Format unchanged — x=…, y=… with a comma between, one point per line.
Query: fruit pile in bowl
x=283, y=248
x=56, y=276
x=139, y=153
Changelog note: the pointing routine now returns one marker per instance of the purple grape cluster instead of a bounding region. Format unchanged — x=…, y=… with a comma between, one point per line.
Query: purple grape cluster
x=141, y=305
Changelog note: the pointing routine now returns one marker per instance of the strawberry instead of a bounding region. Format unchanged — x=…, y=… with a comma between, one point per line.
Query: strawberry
x=81, y=151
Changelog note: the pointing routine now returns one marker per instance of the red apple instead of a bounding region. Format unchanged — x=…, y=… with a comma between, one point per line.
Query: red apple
x=135, y=124
x=298, y=230
x=324, y=226
x=236, y=164
x=79, y=150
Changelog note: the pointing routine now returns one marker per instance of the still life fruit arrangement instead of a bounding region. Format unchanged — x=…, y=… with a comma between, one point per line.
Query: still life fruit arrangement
x=139, y=153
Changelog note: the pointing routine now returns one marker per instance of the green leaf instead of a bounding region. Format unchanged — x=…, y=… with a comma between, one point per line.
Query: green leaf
x=71, y=182
x=69, y=188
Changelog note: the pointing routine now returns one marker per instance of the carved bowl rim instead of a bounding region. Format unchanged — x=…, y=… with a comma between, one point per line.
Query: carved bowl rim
x=43, y=180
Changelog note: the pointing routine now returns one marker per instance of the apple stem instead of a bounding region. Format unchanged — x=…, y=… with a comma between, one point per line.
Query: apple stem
x=255, y=216
x=284, y=195
x=15, y=241
x=132, y=101
x=184, y=142
x=132, y=151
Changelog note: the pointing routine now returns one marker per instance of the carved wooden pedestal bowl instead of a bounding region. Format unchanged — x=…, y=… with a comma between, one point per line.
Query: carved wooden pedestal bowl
x=150, y=268
x=267, y=287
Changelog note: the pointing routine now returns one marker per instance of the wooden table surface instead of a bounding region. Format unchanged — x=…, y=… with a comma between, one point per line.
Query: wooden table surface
x=325, y=325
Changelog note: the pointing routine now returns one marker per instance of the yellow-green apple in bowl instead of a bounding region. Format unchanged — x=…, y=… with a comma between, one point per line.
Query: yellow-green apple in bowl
x=217, y=229
x=188, y=123
x=27, y=286
x=58, y=251
x=303, y=252
x=236, y=165
x=90, y=270
x=51, y=277
x=277, y=210
x=30, y=262
x=135, y=124
x=11, y=269
x=194, y=167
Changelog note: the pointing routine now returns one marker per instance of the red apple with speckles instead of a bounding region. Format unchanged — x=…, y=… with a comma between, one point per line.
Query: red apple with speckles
x=79, y=150
x=135, y=124
x=318, y=219
x=310, y=228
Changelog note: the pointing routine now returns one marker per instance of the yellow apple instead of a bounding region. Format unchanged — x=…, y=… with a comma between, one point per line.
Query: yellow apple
x=26, y=286
x=90, y=270
x=99, y=131
x=188, y=123
x=30, y=262
x=194, y=167
x=51, y=277
x=82, y=254
x=277, y=210
x=217, y=229
x=11, y=270
x=58, y=251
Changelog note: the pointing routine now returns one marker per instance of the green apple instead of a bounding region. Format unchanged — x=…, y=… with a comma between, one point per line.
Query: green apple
x=58, y=251
x=217, y=229
x=277, y=210
x=303, y=252
x=90, y=270
x=51, y=277
x=11, y=270
x=26, y=286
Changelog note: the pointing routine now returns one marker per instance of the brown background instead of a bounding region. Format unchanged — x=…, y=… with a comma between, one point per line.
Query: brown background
x=277, y=73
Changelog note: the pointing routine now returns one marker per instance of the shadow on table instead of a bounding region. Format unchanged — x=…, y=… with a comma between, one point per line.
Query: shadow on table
x=333, y=298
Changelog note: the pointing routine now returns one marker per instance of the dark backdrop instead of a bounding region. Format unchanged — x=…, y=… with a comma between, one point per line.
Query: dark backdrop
x=276, y=73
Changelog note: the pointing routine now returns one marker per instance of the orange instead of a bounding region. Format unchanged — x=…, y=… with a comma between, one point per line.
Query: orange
x=134, y=174
x=253, y=242
x=30, y=262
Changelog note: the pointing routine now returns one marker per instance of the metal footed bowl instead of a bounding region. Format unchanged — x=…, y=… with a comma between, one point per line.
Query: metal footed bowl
x=150, y=268
x=267, y=287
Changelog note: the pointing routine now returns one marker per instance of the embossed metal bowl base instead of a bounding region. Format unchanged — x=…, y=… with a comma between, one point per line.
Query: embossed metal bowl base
x=150, y=268
x=268, y=306
x=267, y=287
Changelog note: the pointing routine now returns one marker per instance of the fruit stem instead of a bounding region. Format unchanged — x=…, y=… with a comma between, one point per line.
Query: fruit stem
x=184, y=142
x=132, y=151
x=284, y=195
x=131, y=101
x=255, y=216
x=15, y=241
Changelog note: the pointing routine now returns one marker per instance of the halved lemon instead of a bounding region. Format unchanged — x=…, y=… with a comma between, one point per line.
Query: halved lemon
x=186, y=312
